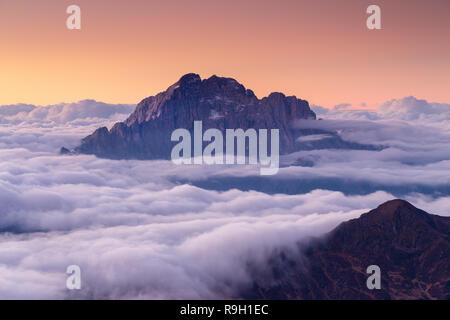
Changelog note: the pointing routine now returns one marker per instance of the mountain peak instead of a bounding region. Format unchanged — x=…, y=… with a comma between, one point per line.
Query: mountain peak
x=219, y=102
x=189, y=78
x=395, y=211
x=395, y=206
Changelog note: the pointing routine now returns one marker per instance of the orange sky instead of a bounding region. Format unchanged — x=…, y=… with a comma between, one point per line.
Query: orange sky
x=318, y=50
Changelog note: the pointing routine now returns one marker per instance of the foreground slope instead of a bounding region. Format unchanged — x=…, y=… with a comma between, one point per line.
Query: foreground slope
x=411, y=247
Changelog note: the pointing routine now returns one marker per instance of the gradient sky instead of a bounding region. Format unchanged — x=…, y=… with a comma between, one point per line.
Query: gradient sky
x=318, y=50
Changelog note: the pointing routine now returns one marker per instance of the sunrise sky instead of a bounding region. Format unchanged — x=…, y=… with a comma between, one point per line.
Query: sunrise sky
x=317, y=50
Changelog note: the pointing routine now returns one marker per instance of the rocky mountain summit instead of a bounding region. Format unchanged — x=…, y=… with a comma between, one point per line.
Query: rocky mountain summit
x=411, y=247
x=218, y=102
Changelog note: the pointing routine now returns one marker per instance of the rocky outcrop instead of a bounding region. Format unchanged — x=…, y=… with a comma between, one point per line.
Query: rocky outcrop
x=221, y=103
x=411, y=247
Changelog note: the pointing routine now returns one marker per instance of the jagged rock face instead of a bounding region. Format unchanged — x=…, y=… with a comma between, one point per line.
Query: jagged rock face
x=220, y=103
x=411, y=247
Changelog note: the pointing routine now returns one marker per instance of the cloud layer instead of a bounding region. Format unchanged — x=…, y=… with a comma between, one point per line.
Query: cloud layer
x=412, y=109
x=137, y=231
x=64, y=112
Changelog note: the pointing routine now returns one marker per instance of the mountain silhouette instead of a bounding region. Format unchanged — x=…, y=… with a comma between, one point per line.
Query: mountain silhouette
x=218, y=102
x=221, y=103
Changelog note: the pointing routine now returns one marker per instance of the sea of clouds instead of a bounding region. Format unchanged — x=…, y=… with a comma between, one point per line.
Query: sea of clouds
x=138, y=230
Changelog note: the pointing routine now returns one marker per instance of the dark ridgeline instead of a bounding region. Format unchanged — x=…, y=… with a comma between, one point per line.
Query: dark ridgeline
x=411, y=247
x=220, y=103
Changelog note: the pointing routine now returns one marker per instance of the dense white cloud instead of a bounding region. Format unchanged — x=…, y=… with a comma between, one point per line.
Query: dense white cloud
x=138, y=232
x=63, y=112
x=180, y=242
x=202, y=255
x=409, y=109
x=415, y=135
x=48, y=128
